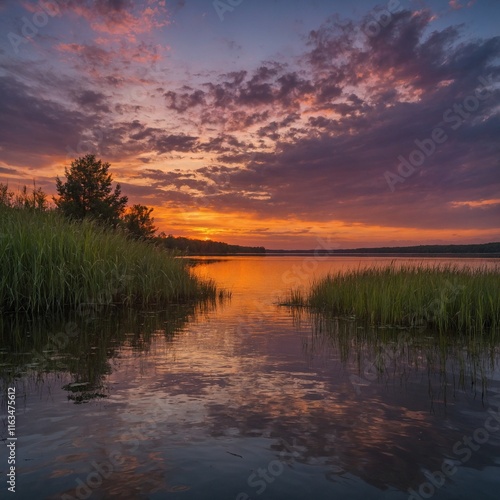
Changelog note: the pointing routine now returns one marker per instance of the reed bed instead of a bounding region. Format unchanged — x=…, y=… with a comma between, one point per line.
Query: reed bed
x=49, y=263
x=441, y=297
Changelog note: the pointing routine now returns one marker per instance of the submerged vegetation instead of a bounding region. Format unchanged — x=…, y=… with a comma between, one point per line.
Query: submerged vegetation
x=444, y=298
x=48, y=262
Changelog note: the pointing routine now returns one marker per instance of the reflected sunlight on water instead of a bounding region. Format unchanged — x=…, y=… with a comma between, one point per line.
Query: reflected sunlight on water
x=244, y=399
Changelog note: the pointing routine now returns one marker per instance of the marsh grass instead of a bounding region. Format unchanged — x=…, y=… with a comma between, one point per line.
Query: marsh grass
x=48, y=263
x=441, y=297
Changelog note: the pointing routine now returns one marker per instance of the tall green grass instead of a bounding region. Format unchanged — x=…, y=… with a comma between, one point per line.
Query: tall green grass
x=49, y=263
x=441, y=297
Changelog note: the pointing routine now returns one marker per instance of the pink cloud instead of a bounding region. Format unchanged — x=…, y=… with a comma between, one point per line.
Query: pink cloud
x=456, y=5
x=98, y=59
x=127, y=21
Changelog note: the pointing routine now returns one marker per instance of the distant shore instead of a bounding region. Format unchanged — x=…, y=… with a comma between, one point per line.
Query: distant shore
x=325, y=253
x=495, y=255
x=481, y=250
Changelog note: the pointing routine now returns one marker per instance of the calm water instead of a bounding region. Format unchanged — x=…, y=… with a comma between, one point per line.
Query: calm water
x=245, y=399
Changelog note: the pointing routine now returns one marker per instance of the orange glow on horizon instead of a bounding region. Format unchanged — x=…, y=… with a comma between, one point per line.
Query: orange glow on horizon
x=272, y=232
x=242, y=228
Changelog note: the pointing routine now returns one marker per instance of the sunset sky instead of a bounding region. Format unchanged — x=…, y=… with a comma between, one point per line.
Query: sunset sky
x=285, y=123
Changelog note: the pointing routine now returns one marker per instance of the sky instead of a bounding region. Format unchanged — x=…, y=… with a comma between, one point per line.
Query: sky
x=287, y=124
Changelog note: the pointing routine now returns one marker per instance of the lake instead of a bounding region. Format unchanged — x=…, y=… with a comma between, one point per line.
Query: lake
x=243, y=398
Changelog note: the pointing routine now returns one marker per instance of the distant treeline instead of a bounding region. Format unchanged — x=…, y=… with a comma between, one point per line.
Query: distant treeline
x=203, y=247
x=208, y=247
x=490, y=248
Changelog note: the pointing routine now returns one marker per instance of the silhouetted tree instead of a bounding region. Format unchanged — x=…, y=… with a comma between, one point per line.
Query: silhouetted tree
x=6, y=196
x=139, y=223
x=88, y=192
x=203, y=247
x=35, y=199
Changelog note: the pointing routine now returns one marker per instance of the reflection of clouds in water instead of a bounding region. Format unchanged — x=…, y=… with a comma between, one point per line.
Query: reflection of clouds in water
x=223, y=389
x=198, y=398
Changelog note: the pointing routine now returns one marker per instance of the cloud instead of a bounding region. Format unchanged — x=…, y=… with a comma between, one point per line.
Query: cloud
x=308, y=138
x=329, y=155
x=34, y=127
x=120, y=17
x=116, y=64
x=457, y=5
x=8, y=170
x=95, y=101
x=181, y=102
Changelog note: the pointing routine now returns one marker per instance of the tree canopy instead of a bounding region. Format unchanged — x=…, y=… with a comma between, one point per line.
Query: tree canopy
x=88, y=192
x=139, y=223
x=35, y=199
x=203, y=247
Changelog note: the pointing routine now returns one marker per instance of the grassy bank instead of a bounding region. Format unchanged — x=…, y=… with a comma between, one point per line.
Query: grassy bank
x=444, y=298
x=49, y=263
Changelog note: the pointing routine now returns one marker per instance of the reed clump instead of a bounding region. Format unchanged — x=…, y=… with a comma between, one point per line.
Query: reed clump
x=441, y=297
x=50, y=263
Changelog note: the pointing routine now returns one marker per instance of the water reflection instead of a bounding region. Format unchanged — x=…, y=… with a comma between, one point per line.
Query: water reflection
x=81, y=346
x=391, y=373
x=386, y=355
x=243, y=398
